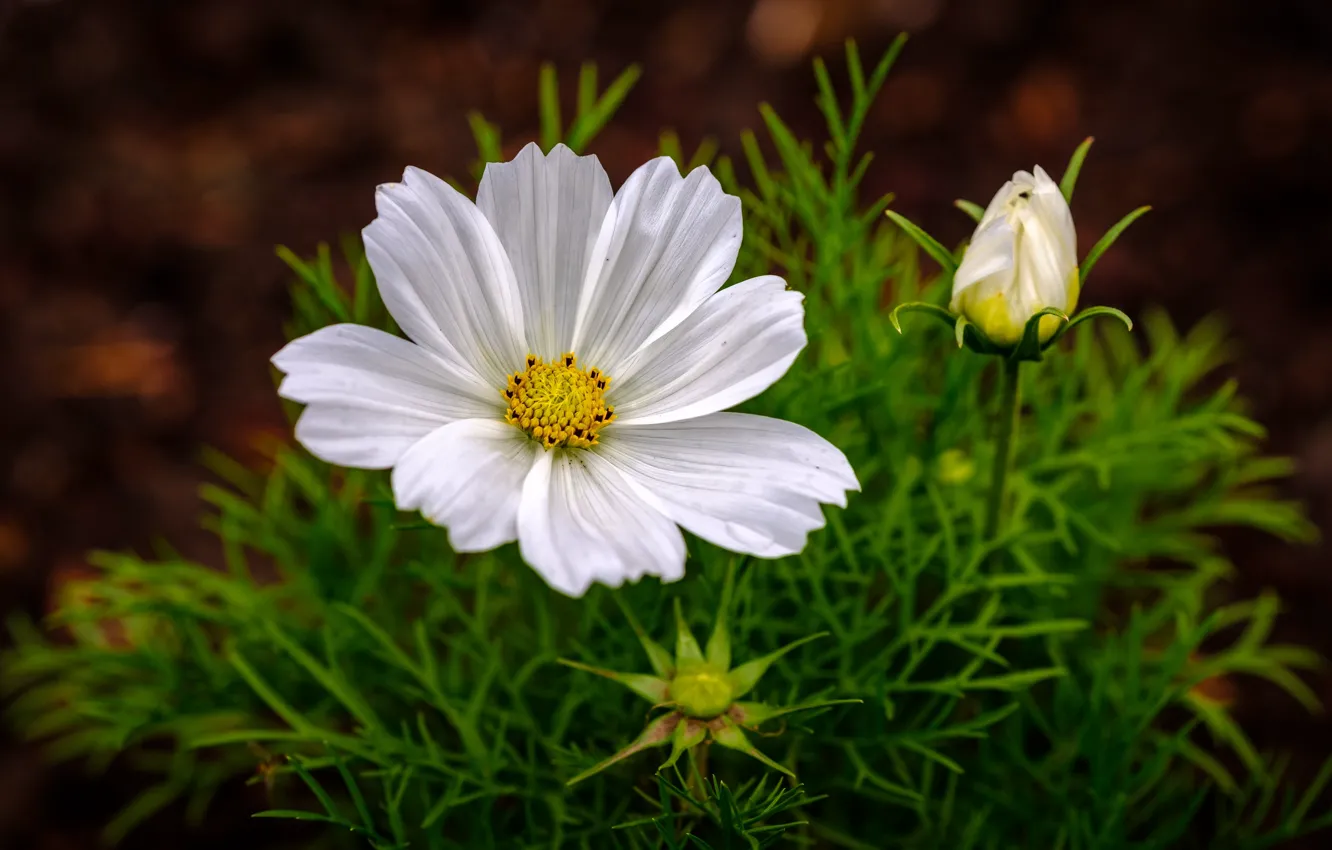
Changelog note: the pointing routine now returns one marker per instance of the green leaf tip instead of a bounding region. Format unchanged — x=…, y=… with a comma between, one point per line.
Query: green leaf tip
x=927, y=243
x=1074, y=168
x=718, y=650
x=731, y=736
x=746, y=676
x=932, y=310
x=658, y=657
x=657, y=733
x=1107, y=240
x=686, y=648
x=688, y=733
x=549, y=107
x=752, y=714
x=975, y=211
x=960, y=325
x=650, y=688
x=1093, y=312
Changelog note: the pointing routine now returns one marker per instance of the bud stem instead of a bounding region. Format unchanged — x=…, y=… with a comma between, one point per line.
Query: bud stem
x=1010, y=406
x=698, y=770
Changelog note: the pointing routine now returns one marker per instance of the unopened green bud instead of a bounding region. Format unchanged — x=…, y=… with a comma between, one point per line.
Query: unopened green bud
x=701, y=689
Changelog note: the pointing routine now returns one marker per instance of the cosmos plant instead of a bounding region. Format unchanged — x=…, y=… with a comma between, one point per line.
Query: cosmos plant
x=538, y=424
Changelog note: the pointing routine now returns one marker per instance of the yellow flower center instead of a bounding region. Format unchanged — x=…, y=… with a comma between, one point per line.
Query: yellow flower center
x=558, y=404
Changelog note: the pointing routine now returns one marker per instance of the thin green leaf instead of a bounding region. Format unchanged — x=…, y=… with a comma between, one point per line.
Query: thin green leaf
x=658, y=657
x=587, y=89
x=1107, y=240
x=751, y=714
x=1093, y=312
x=730, y=736
x=1070, y=178
x=487, y=138
x=746, y=676
x=686, y=648
x=549, y=107
x=589, y=124
x=688, y=733
x=657, y=733
x=976, y=211
x=934, y=311
x=718, y=651
x=650, y=688
x=927, y=243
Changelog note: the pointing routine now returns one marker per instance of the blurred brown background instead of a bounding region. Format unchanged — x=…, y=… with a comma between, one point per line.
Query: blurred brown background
x=152, y=153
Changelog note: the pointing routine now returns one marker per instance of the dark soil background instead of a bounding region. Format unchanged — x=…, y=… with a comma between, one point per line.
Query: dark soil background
x=152, y=153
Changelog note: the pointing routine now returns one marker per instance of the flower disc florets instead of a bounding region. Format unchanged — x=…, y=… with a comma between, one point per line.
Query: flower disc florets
x=557, y=403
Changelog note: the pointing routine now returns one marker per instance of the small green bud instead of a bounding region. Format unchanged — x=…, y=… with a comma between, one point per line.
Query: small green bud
x=955, y=467
x=701, y=689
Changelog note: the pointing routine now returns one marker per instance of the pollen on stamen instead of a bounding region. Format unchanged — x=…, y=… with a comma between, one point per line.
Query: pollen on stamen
x=558, y=404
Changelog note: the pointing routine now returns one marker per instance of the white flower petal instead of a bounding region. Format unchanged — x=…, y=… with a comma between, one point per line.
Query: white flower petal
x=667, y=244
x=548, y=211
x=747, y=483
x=581, y=521
x=370, y=395
x=445, y=277
x=990, y=252
x=733, y=347
x=1058, y=237
x=467, y=477
x=999, y=203
x=1042, y=182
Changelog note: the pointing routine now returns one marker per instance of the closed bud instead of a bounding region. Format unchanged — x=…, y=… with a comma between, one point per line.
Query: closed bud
x=1022, y=259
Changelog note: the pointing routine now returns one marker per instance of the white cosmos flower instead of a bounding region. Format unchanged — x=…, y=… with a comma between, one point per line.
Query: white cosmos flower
x=569, y=362
x=1022, y=259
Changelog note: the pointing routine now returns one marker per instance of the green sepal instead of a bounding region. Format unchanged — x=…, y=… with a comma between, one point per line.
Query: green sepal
x=688, y=733
x=752, y=714
x=927, y=243
x=650, y=688
x=729, y=735
x=1093, y=312
x=970, y=336
x=657, y=733
x=1107, y=240
x=718, y=650
x=960, y=326
x=1070, y=178
x=746, y=676
x=686, y=648
x=975, y=211
x=933, y=310
x=1029, y=347
x=657, y=655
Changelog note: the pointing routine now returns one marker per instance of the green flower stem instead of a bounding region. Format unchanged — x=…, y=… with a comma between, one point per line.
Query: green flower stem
x=698, y=770
x=1010, y=406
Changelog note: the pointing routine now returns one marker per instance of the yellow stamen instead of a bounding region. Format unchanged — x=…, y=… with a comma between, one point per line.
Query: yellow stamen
x=558, y=404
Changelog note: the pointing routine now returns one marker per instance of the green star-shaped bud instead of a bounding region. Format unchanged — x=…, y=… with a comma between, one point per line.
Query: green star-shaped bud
x=701, y=691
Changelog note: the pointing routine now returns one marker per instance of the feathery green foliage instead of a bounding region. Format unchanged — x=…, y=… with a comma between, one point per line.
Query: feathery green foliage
x=1032, y=690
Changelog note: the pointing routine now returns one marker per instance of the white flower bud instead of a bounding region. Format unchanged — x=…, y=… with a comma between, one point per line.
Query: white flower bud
x=1022, y=259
